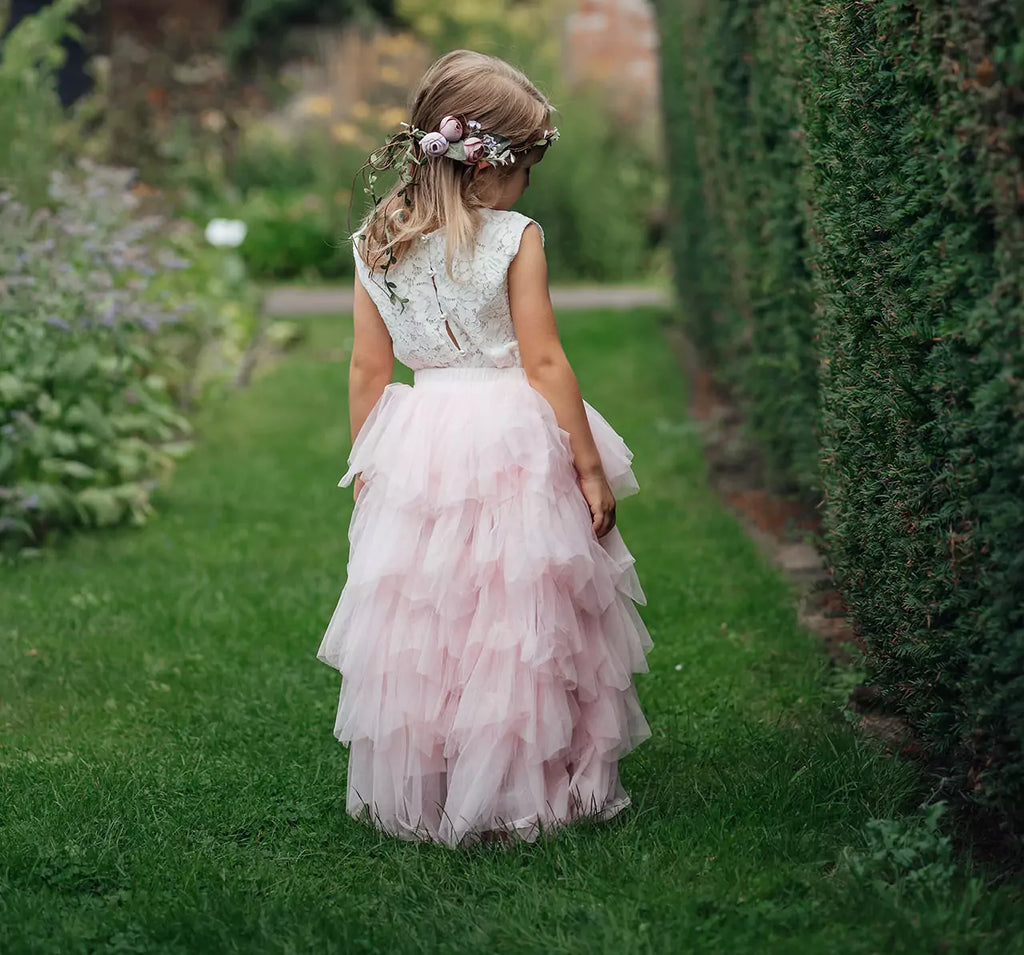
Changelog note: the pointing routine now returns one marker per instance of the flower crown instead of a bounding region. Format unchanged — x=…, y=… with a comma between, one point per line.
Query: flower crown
x=411, y=148
x=475, y=149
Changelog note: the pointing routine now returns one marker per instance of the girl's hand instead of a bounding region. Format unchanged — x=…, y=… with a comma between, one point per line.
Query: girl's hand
x=600, y=500
x=357, y=486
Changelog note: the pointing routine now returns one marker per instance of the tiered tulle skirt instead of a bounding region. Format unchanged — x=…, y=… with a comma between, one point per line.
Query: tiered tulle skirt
x=486, y=638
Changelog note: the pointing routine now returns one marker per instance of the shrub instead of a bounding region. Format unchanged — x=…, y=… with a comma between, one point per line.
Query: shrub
x=293, y=196
x=107, y=333
x=113, y=321
x=88, y=423
x=296, y=235
x=30, y=112
x=848, y=197
x=730, y=94
x=915, y=155
x=597, y=194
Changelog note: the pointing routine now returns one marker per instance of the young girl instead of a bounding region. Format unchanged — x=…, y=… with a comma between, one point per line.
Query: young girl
x=487, y=631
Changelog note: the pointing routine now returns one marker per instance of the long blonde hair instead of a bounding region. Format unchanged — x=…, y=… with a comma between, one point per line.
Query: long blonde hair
x=445, y=192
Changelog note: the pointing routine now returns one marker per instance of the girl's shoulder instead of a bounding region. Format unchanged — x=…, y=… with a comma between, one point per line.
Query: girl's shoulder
x=506, y=227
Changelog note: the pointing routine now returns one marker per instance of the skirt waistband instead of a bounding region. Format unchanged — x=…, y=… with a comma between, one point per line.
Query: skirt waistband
x=442, y=376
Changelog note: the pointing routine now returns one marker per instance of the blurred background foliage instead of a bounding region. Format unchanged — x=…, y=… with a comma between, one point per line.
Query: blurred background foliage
x=259, y=28
x=127, y=125
x=847, y=183
x=271, y=119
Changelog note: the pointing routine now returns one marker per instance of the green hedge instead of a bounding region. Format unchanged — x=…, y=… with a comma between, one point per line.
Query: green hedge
x=849, y=244
x=738, y=229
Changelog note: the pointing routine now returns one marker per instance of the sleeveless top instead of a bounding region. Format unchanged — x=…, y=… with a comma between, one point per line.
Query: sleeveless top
x=461, y=320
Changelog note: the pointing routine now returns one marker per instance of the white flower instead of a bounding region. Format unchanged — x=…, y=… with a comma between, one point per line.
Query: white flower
x=434, y=144
x=227, y=233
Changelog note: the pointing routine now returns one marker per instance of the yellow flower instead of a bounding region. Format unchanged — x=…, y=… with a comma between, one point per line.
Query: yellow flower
x=345, y=133
x=317, y=106
x=361, y=110
x=396, y=44
x=391, y=116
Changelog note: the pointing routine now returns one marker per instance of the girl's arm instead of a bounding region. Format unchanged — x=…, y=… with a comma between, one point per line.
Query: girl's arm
x=549, y=371
x=372, y=364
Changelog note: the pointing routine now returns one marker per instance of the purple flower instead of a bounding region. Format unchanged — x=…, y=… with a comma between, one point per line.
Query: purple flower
x=30, y=503
x=434, y=144
x=474, y=147
x=173, y=262
x=108, y=317
x=451, y=129
x=54, y=322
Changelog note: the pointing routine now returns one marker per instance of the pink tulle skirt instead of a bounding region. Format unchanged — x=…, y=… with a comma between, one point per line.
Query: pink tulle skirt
x=485, y=636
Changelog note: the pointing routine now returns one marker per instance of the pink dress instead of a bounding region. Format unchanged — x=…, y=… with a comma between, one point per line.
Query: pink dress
x=485, y=636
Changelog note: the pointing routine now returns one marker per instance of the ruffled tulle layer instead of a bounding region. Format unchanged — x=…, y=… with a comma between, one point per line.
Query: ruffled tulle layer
x=486, y=638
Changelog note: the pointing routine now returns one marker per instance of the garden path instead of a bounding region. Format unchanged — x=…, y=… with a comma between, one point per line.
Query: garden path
x=169, y=782
x=299, y=300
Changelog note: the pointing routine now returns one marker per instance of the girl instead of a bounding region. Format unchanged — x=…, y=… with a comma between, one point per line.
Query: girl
x=487, y=631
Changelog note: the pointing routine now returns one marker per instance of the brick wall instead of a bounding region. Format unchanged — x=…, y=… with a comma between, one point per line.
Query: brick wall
x=614, y=44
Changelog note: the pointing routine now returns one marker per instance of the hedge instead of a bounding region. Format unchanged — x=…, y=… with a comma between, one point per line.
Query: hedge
x=730, y=102
x=848, y=237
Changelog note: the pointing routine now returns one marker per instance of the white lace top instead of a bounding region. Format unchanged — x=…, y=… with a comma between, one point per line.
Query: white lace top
x=460, y=322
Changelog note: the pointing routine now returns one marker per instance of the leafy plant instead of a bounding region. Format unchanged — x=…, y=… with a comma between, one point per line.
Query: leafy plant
x=597, y=193
x=296, y=235
x=106, y=332
x=30, y=112
x=910, y=858
x=88, y=423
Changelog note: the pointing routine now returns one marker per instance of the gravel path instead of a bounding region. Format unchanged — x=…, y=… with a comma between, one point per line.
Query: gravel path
x=297, y=300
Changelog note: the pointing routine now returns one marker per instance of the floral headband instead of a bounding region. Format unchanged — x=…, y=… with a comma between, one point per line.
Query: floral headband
x=478, y=148
x=412, y=147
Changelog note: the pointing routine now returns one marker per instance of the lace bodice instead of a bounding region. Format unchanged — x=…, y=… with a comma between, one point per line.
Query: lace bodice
x=472, y=305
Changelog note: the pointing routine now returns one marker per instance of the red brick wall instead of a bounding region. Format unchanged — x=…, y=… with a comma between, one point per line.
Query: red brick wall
x=614, y=44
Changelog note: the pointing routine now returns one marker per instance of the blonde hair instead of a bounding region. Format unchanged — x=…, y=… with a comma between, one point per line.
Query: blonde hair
x=445, y=192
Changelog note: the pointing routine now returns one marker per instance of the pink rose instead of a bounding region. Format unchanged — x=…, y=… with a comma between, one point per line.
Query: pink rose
x=434, y=144
x=474, y=147
x=451, y=129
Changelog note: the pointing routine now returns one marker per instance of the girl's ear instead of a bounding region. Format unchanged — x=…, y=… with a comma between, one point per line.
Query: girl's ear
x=480, y=167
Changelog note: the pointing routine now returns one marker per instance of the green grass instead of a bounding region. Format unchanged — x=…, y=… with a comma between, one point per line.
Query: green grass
x=169, y=781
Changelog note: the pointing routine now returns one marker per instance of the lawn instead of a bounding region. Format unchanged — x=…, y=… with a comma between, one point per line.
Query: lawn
x=169, y=782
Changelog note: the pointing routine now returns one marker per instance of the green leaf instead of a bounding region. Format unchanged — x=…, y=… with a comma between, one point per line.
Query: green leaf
x=12, y=389
x=76, y=365
x=100, y=507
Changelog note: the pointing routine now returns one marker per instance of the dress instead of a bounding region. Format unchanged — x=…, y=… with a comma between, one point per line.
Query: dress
x=485, y=636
